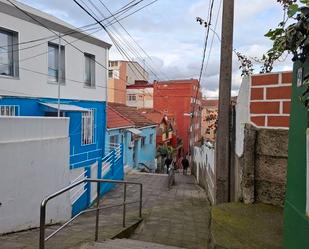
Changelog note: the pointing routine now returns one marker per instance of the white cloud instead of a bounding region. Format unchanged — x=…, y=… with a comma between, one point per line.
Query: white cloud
x=168, y=31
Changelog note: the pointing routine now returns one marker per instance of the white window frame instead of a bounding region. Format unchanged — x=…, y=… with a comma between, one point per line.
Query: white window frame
x=132, y=97
x=88, y=134
x=9, y=110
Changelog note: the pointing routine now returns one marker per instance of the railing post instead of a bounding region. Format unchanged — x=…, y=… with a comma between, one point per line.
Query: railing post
x=97, y=213
x=42, y=226
x=124, y=204
x=140, y=200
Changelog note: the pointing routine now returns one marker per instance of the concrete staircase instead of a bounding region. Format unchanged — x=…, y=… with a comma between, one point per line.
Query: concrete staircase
x=125, y=244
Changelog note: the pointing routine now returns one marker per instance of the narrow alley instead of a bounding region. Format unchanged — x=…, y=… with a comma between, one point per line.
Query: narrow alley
x=179, y=216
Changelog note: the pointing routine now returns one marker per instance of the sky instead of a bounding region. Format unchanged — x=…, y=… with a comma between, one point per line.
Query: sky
x=167, y=30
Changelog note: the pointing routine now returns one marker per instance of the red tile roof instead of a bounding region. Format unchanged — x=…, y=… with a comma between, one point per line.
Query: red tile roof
x=116, y=120
x=132, y=114
x=151, y=114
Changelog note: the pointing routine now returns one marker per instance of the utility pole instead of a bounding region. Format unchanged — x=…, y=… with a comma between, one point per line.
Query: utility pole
x=223, y=130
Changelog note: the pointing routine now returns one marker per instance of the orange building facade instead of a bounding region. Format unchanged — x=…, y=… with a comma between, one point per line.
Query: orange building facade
x=120, y=74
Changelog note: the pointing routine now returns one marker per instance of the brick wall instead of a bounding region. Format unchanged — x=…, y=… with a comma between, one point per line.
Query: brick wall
x=270, y=98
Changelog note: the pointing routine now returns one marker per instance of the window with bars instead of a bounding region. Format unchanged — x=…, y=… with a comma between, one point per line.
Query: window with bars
x=9, y=110
x=88, y=127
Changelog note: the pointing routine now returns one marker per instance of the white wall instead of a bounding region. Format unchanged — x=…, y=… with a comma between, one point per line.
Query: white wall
x=204, y=157
x=36, y=84
x=242, y=114
x=34, y=164
x=136, y=72
x=147, y=97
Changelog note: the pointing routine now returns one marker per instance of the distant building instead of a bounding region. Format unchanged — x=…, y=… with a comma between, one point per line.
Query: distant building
x=209, y=119
x=180, y=98
x=166, y=129
x=140, y=95
x=120, y=74
x=139, y=141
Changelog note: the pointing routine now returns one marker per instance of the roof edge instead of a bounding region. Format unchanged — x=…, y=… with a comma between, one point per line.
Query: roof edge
x=56, y=25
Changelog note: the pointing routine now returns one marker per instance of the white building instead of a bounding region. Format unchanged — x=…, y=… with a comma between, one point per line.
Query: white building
x=140, y=95
x=32, y=70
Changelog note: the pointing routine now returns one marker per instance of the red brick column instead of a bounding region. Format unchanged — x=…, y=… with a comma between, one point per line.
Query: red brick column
x=270, y=98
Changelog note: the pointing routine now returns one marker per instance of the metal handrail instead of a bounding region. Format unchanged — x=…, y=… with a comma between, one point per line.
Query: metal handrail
x=44, y=202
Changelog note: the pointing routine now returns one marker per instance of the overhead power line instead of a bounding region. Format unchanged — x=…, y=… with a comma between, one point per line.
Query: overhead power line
x=79, y=29
x=41, y=24
x=193, y=116
x=119, y=48
x=152, y=70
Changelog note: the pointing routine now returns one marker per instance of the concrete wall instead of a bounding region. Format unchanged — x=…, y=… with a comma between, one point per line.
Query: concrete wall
x=33, y=79
x=34, y=156
x=204, y=168
x=135, y=72
x=262, y=165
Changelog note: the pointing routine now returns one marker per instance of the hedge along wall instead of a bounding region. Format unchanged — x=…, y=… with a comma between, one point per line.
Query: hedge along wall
x=270, y=99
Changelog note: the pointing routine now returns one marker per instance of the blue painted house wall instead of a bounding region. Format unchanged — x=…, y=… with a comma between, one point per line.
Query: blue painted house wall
x=80, y=155
x=146, y=154
x=124, y=137
x=143, y=154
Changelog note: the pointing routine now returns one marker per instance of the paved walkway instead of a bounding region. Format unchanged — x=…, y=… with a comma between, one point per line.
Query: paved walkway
x=177, y=217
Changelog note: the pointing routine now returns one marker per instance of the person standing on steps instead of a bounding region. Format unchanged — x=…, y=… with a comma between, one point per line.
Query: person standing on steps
x=168, y=162
x=185, y=165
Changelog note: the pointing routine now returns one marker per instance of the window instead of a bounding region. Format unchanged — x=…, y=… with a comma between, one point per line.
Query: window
x=9, y=110
x=143, y=142
x=113, y=63
x=88, y=127
x=8, y=53
x=110, y=74
x=53, y=67
x=113, y=139
x=132, y=97
x=89, y=70
x=150, y=138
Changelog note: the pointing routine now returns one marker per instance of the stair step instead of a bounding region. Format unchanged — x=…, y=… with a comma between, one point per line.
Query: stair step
x=125, y=244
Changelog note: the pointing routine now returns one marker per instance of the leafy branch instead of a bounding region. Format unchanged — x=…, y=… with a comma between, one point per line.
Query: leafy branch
x=292, y=39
